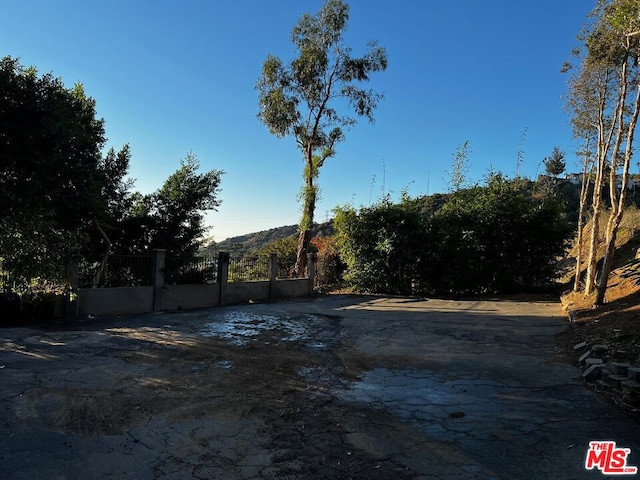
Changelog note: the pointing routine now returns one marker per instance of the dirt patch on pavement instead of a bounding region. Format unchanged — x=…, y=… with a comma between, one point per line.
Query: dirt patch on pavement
x=284, y=387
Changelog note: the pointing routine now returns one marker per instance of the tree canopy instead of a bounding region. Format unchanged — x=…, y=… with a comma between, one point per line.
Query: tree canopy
x=58, y=191
x=306, y=98
x=555, y=163
x=50, y=143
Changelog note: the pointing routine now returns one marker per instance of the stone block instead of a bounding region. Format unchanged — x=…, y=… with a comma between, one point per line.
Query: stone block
x=593, y=361
x=631, y=386
x=599, y=350
x=580, y=345
x=634, y=374
x=584, y=356
x=593, y=373
x=618, y=368
x=616, y=381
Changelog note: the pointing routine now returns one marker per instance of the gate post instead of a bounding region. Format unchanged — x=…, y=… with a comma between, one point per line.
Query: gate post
x=311, y=270
x=223, y=276
x=157, y=275
x=273, y=273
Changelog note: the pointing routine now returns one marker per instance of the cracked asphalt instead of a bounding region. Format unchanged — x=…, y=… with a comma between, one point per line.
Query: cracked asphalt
x=332, y=387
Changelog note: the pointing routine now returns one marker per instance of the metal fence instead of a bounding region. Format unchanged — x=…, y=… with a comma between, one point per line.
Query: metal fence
x=200, y=270
x=119, y=271
x=247, y=269
x=286, y=267
x=328, y=270
x=137, y=270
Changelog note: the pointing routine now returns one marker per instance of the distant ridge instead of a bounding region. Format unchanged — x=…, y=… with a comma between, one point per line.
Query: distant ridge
x=252, y=242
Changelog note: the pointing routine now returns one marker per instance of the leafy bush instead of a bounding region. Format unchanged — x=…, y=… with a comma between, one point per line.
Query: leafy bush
x=383, y=246
x=494, y=238
x=38, y=301
x=329, y=265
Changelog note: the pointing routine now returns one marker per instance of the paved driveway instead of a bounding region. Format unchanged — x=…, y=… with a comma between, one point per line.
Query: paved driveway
x=334, y=387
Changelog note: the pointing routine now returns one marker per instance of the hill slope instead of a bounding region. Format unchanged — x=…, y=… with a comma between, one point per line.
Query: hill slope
x=252, y=242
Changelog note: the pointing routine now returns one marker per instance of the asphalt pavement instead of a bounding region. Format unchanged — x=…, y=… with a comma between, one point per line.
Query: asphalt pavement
x=426, y=388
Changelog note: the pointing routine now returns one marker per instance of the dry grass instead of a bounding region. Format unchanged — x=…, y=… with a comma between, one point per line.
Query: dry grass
x=627, y=242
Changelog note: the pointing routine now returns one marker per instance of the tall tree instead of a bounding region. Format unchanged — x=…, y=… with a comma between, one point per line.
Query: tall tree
x=178, y=210
x=116, y=199
x=591, y=92
x=50, y=142
x=582, y=104
x=609, y=67
x=621, y=20
x=587, y=167
x=301, y=99
x=555, y=164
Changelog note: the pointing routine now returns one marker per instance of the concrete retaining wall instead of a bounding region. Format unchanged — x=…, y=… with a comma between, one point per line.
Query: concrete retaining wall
x=114, y=301
x=240, y=292
x=291, y=288
x=176, y=297
x=130, y=300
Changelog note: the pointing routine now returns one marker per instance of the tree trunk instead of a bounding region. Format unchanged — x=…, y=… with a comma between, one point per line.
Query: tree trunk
x=105, y=257
x=576, y=282
x=592, y=261
x=618, y=202
x=303, y=248
x=308, y=210
x=612, y=233
x=584, y=189
x=602, y=148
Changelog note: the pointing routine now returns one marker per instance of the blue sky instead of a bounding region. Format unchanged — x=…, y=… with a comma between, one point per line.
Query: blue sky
x=171, y=77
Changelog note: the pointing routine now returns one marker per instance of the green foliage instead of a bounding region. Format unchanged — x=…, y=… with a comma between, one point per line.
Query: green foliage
x=496, y=238
x=555, y=163
x=57, y=191
x=458, y=176
x=172, y=217
x=605, y=41
x=49, y=176
x=382, y=246
x=283, y=247
x=500, y=237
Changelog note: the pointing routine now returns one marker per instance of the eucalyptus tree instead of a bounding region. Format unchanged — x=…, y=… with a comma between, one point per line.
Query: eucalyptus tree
x=591, y=90
x=608, y=82
x=582, y=105
x=316, y=96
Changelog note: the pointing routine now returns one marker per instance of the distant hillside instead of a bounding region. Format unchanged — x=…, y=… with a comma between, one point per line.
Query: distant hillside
x=252, y=242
